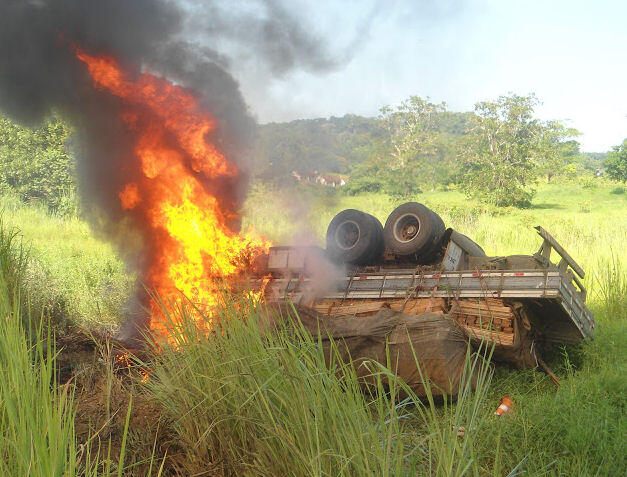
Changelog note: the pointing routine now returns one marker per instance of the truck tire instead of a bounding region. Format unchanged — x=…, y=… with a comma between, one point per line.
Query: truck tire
x=411, y=229
x=439, y=226
x=468, y=245
x=379, y=245
x=352, y=237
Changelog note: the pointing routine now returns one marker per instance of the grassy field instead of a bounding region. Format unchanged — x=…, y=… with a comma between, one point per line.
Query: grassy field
x=75, y=276
x=223, y=402
x=577, y=429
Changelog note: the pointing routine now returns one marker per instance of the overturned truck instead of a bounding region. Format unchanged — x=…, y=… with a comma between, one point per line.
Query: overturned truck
x=414, y=266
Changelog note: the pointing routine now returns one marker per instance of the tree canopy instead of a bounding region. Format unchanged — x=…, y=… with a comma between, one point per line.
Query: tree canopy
x=506, y=149
x=616, y=163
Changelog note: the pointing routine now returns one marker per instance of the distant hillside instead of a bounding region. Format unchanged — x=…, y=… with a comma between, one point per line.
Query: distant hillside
x=325, y=145
x=337, y=150
x=330, y=145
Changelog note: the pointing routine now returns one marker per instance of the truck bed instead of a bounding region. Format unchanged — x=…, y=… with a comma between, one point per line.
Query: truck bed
x=550, y=295
x=557, y=305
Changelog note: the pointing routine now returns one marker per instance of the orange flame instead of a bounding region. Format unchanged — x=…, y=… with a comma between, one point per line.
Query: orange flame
x=194, y=247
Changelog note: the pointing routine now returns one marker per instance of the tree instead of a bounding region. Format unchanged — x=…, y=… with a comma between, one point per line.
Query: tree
x=557, y=156
x=616, y=163
x=506, y=148
x=36, y=164
x=414, y=143
x=408, y=155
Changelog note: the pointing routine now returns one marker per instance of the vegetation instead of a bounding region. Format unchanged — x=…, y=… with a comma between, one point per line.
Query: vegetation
x=416, y=145
x=323, y=145
x=616, y=163
x=265, y=403
x=71, y=275
x=35, y=164
x=38, y=411
x=412, y=143
x=247, y=401
x=505, y=149
x=259, y=420
x=420, y=146
x=36, y=420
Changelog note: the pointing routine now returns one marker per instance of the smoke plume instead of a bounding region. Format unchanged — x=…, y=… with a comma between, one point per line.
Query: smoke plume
x=39, y=71
x=189, y=43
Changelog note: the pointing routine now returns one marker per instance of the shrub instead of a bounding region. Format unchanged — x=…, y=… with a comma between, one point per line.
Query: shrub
x=35, y=164
x=588, y=182
x=616, y=163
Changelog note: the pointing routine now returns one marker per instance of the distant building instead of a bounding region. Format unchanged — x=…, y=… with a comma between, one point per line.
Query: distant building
x=313, y=177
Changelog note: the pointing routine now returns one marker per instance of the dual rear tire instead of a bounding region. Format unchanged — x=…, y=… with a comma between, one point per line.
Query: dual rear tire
x=412, y=229
x=355, y=237
x=358, y=238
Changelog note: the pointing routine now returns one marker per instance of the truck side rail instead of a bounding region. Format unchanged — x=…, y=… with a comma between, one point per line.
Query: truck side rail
x=551, y=244
x=534, y=284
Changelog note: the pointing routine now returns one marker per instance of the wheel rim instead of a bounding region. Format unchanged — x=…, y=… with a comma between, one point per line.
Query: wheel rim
x=406, y=228
x=347, y=235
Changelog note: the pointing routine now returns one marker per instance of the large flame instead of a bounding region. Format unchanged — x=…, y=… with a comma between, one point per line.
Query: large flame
x=194, y=248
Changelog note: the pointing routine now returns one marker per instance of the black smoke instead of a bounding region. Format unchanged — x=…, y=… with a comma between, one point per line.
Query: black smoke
x=38, y=71
x=187, y=42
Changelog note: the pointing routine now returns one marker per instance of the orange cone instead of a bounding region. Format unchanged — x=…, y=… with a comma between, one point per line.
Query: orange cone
x=506, y=405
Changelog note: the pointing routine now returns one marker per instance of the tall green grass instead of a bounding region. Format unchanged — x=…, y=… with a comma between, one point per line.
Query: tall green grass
x=37, y=427
x=257, y=397
x=36, y=416
x=265, y=403
x=72, y=275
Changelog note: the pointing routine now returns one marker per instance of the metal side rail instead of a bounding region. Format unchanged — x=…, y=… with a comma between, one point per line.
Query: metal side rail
x=537, y=284
x=460, y=284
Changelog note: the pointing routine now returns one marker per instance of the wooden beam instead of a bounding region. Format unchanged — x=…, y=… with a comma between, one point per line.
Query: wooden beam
x=548, y=371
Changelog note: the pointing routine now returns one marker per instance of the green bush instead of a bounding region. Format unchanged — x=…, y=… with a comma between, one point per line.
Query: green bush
x=616, y=163
x=36, y=165
x=588, y=182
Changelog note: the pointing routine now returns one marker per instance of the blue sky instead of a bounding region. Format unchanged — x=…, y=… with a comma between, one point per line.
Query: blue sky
x=572, y=54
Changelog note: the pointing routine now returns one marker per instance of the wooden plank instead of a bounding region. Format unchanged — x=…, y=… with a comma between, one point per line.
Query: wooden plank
x=506, y=339
x=484, y=311
x=478, y=321
x=333, y=308
x=485, y=304
x=358, y=307
x=418, y=306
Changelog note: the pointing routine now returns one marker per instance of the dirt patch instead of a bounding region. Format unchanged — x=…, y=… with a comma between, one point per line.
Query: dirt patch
x=107, y=378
